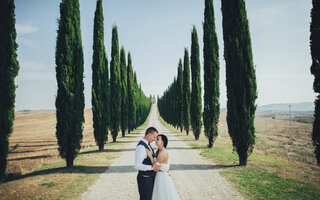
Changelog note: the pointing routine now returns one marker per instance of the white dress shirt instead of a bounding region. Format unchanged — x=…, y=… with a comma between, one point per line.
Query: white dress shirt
x=141, y=154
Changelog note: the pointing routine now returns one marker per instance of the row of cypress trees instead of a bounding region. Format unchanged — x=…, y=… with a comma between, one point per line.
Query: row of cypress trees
x=169, y=105
x=9, y=67
x=240, y=81
x=180, y=106
x=117, y=102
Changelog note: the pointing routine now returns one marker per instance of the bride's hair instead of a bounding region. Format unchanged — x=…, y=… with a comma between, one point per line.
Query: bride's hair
x=165, y=142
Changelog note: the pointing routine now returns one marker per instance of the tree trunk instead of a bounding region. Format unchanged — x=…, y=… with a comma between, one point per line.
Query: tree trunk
x=123, y=133
x=114, y=138
x=243, y=157
x=196, y=134
x=210, y=141
x=69, y=162
x=101, y=146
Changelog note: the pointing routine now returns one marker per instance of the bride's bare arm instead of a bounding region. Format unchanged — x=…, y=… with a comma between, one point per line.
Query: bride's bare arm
x=150, y=156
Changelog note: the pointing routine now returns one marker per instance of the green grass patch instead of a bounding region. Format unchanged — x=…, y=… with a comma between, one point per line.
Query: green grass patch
x=134, y=133
x=112, y=143
x=220, y=153
x=271, y=162
x=258, y=184
x=50, y=184
x=35, y=198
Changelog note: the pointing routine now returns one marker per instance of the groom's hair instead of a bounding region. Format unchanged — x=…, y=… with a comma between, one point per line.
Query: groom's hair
x=151, y=130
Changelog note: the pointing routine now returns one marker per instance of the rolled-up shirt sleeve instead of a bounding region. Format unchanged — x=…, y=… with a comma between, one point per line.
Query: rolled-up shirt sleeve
x=141, y=154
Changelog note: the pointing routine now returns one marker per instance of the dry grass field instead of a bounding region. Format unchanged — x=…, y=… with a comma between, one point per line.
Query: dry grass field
x=280, y=138
x=33, y=142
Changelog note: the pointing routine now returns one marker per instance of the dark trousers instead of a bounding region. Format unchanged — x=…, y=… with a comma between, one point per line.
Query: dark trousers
x=145, y=186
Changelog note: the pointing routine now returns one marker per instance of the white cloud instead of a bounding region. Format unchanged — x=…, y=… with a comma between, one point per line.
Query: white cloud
x=26, y=28
x=267, y=15
x=33, y=71
x=302, y=31
x=287, y=76
x=31, y=66
x=37, y=76
x=27, y=42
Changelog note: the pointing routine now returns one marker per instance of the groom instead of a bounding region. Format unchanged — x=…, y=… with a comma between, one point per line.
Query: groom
x=142, y=162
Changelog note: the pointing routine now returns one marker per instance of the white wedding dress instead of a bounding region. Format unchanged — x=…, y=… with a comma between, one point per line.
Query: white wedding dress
x=163, y=188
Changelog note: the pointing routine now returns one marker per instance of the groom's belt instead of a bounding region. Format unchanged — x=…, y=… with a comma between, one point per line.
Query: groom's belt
x=147, y=173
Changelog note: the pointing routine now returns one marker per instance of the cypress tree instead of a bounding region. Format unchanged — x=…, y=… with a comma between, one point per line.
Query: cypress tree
x=240, y=78
x=99, y=81
x=115, y=86
x=315, y=70
x=124, y=91
x=211, y=74
x=130, y=95
x=174, y=101
x=107, y=85
x=69, y=74
x=135, y=102
x=186, y=92
x=196, y=104
x=179, y=97
x=9, y=68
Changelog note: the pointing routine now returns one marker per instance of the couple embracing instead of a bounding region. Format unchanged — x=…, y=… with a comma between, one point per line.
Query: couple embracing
x=153, y=179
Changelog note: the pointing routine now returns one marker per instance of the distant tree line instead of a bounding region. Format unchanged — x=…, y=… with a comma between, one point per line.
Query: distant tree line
x=170, y=105
x=240, y=81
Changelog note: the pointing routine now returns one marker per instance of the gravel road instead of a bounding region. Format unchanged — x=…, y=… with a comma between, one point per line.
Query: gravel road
x=194, y=177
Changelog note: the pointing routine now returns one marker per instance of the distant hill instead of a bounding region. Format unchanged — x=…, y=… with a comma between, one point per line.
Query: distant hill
x=284, y=107
x=304, y=106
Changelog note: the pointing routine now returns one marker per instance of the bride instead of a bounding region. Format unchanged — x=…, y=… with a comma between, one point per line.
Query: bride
x=163, y=188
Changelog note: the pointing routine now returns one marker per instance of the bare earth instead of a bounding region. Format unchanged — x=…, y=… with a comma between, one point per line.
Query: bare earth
x=194, y=178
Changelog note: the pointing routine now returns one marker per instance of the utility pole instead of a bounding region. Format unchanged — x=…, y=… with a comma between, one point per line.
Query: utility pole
x=289, y=115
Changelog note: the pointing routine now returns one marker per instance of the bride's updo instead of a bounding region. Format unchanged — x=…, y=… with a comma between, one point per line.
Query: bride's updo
x=165, y=142
x=164, y=139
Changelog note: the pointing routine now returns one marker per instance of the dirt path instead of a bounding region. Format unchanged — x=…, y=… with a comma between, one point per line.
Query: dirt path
x=194, y=178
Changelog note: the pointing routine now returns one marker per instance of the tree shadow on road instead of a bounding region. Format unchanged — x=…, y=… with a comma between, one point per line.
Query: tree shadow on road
x=187, y=148
x=60, y=170
x=31, y=157
x=107, y=150
x=199, y=166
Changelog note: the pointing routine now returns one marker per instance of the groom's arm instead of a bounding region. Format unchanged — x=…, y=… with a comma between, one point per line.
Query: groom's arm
x=141, y=154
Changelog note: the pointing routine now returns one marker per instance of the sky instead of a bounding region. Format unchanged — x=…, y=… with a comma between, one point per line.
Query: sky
x=156, y=33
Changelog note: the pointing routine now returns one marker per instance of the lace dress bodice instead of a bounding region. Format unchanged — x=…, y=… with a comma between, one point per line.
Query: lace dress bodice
x=164, y=167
